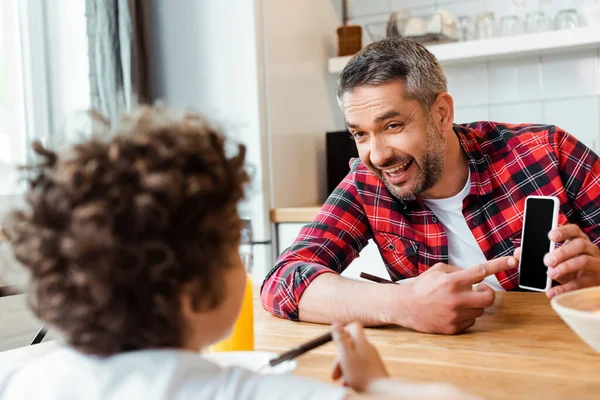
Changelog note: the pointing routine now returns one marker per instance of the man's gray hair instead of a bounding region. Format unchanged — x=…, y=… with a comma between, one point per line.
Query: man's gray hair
x=395, y=59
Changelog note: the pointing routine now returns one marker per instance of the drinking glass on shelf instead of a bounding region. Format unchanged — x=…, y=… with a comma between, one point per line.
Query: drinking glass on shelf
x=511, y=25
x=567, y=19
x=537, y=22
x=466, y=28
x=486, y=25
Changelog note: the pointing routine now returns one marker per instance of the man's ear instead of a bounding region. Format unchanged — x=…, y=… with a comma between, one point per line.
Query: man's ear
x=442, y=111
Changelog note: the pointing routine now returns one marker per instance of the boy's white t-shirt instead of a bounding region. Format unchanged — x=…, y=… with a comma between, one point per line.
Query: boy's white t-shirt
x=66, y=374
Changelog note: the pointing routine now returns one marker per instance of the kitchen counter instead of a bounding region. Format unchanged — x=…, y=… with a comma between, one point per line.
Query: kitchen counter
x=294, y=214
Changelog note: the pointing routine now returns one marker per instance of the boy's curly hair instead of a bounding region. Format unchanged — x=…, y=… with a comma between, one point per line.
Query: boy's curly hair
x=117, y=227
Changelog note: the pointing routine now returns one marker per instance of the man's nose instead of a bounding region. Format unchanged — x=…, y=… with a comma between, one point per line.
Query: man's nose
x=381, y=152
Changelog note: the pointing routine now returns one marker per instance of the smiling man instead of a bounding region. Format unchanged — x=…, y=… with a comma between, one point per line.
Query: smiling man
x=439, y=200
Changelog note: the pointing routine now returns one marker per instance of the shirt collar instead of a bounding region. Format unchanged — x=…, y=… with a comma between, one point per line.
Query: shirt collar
x=478, y=162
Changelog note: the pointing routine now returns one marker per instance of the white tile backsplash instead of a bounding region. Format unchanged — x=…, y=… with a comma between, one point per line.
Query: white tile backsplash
x=460, y=8
x=517, y=113
x=358, y=8
x=577, y=116
x=398, y=4
x=376, y=23
x=569, y=75
x=514, y=80
x=422, y=12
x=552, y=8
x=468, y=83
x=471, y=114
x=501, y=8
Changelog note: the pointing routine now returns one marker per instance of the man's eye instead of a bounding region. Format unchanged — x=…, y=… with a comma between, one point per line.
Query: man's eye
x=358, y=135
x=395, y=126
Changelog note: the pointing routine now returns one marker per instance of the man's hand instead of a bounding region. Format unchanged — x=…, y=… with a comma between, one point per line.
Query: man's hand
x=443, y=299
x=576, y=264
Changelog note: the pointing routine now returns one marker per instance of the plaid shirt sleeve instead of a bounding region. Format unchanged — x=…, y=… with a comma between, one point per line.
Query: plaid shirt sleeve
x=580, y=174
x=327, y=245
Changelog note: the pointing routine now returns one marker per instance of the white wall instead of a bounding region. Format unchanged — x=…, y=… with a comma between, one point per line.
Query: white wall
x=299, y=38
x=559, y=89
x=206, y=55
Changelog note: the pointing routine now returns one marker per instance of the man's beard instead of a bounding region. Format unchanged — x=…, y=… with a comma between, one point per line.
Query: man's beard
x=430, y=167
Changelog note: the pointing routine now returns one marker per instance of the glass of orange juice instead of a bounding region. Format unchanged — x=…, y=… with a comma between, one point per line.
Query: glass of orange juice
x=242, y=335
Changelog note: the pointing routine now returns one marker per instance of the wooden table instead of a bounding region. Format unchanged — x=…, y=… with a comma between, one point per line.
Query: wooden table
x=520, y=349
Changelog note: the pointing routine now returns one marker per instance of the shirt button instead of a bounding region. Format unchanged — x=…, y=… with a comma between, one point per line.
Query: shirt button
x=392, y=247
x=434, y=219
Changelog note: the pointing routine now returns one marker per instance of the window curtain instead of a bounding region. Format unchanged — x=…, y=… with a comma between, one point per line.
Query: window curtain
x=118, y=43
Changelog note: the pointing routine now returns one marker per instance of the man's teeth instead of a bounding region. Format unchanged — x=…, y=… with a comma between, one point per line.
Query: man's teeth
x=394, y=171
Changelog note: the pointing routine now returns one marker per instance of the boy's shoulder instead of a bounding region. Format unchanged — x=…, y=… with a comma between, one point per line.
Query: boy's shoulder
x=159, y=374
x=147, y=373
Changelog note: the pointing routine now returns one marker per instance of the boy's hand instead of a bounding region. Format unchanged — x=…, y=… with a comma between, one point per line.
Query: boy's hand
x=358, y=362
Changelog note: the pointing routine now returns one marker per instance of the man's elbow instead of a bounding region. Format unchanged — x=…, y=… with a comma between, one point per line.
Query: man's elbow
x=277, y=298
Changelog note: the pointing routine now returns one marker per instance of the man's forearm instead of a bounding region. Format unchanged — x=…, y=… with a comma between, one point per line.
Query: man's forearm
x=332, y=298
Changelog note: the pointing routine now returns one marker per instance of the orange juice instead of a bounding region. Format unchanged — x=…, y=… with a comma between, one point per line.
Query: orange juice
x=242, y=336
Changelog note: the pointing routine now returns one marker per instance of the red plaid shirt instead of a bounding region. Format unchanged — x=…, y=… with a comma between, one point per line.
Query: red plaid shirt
x=507, y=164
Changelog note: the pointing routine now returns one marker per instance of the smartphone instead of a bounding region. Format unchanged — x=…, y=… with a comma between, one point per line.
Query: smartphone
x=541, y=216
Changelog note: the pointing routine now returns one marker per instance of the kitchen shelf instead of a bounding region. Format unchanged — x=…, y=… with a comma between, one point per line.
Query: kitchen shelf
x=503, y=47
x=294, y=214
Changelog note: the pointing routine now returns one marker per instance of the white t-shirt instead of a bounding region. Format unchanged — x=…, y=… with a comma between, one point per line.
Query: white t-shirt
x=463, y=250
x=66, y=374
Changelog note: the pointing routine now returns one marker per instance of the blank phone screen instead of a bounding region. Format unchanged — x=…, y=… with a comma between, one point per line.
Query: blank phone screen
x=535, y=245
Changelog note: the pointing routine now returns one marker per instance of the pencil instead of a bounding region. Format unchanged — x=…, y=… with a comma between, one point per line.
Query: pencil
x=374, y=278
x=297, y=351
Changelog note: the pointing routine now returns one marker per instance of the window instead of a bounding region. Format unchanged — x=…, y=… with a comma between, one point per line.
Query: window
x=43, y=80
x=12, y=111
